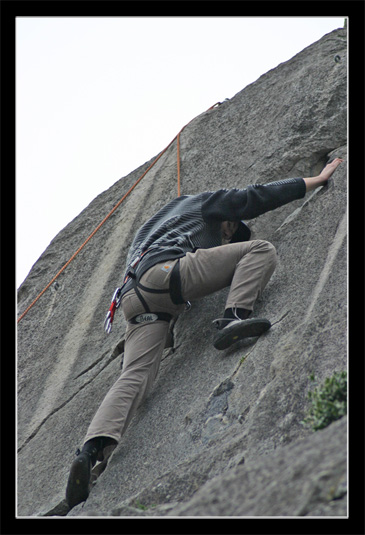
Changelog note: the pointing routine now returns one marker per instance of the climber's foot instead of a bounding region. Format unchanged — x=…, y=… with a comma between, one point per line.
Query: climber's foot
x=78, y=485
x=237, y=330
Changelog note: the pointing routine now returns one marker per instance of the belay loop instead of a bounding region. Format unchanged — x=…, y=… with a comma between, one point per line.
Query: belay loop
x=115, y=303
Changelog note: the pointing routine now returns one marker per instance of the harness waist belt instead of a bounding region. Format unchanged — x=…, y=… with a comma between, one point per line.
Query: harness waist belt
x=149, y=317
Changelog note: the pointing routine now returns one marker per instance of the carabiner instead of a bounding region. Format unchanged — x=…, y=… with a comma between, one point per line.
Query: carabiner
x=115, y=303
x=116, y=297
x=108, y=323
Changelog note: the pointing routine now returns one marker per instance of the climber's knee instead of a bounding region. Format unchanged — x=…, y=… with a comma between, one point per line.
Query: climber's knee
x=266, y=248
x=271, y=251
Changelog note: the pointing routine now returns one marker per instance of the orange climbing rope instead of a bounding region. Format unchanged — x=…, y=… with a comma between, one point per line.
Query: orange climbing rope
x=177, y=137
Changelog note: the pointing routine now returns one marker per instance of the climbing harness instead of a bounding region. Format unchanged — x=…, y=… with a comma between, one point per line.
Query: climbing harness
x=113, y=308
x=117, y=295
x=148, y=316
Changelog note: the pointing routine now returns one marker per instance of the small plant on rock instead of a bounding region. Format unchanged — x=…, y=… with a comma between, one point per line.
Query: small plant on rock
x=328, y=401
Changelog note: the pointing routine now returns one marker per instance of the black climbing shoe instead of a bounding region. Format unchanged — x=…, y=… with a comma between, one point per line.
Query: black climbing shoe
x=78, y=485
x=231, y=332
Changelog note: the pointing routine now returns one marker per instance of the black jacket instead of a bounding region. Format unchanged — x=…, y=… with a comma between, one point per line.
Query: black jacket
x=194, y=221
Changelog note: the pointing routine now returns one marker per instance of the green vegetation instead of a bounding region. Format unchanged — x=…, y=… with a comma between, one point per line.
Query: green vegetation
x=328, y=401
x=139, y=505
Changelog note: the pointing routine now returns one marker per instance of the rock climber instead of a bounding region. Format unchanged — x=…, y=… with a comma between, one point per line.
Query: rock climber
x=176, y=257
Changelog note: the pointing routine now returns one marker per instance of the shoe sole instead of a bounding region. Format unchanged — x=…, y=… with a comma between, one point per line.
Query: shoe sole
x=78, y=483
x=245, y=329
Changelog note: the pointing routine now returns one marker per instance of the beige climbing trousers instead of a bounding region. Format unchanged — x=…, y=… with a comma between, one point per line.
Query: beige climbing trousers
x=246, y=267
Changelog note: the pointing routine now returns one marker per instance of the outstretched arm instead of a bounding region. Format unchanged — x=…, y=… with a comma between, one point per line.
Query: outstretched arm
x=235, y=204
x=320, y=180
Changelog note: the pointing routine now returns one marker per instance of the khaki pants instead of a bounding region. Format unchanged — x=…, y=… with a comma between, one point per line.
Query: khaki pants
x=246, y=267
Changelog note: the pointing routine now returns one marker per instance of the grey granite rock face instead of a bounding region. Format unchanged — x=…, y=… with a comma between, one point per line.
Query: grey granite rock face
x=221, y=432
x=305, y=477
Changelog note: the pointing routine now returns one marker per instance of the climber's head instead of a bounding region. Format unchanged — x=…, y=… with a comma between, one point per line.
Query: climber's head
x=228, y=228
x=234, y=231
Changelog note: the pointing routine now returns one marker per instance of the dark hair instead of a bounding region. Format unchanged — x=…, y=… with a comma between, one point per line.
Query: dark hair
x=243, y=233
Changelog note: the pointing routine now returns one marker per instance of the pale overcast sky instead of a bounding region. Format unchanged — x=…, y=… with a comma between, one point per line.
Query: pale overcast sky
x=96, y=97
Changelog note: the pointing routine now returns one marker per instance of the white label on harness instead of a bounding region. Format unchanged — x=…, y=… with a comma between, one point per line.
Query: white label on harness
x=144, y=318
x=166, y=268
